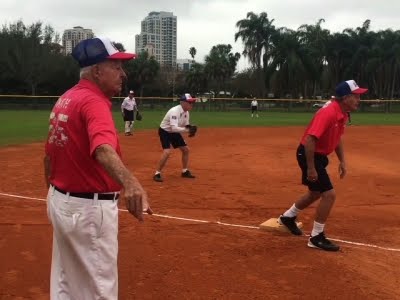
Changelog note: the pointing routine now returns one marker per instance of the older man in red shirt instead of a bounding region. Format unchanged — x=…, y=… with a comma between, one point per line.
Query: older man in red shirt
x=322, y=136
x=84, y=172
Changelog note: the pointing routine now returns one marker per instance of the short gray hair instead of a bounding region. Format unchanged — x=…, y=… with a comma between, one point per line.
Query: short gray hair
x=84, y=71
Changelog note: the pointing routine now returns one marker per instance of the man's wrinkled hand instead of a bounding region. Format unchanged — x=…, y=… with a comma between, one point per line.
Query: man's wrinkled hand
x=136, y=201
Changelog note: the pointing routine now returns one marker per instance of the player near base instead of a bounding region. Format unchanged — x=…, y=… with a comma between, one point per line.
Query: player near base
x=322, y=136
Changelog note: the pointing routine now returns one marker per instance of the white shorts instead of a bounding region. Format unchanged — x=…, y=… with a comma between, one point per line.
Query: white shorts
x=85, y=247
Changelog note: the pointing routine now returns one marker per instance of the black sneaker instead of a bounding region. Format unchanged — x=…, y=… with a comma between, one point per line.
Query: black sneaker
x=187, y=174
x=158, y=178
x=321, y=242
x=290, y=223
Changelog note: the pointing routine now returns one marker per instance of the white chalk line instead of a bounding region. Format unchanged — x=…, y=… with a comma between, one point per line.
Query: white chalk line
x=223, y=224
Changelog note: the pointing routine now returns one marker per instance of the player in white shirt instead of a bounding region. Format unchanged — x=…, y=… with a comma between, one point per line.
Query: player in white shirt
x=128, y=109
x=175, y=122
x=254, y=108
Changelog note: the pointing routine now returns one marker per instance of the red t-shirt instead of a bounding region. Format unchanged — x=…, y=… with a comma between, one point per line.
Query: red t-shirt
x=80, y=121
x=328, y=127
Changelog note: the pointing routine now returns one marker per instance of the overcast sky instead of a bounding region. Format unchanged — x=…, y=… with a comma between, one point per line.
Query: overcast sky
x=201, y=23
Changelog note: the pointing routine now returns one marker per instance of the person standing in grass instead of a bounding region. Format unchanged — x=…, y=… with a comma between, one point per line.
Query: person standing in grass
x=128, y=109
x=322, y=136
x=254, y=107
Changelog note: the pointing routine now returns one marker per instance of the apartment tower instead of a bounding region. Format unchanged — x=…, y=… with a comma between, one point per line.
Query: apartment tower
x=158, y=37
x=72, y=37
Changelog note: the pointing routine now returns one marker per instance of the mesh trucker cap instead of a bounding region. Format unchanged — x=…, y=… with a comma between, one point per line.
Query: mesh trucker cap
x=92, y=51
x=348, y=87
x=188, y=98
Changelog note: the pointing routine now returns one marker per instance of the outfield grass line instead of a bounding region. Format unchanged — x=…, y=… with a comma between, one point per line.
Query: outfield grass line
x=222, y=223
x=25, y=126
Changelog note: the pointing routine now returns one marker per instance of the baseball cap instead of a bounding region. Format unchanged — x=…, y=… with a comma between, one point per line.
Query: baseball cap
x=188, y=98
x=348, y=87
x=131, y=92
x=92, y=51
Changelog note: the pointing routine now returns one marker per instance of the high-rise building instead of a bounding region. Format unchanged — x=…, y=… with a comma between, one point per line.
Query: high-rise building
x=184, y=64
x=158, y=37
x=72, y=37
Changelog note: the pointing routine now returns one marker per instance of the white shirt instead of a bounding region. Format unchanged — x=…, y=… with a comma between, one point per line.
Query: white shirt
x=254, y=103
x=128, y=104
x=175, y=120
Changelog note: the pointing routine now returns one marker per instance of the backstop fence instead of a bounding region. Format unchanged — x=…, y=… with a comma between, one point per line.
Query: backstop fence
x=22, y=102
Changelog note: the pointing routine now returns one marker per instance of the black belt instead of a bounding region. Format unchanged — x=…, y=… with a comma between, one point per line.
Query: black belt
x=110, y=196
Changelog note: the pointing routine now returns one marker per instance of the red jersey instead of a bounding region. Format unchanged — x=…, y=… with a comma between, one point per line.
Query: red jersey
x=328, y=127
x=80, y=121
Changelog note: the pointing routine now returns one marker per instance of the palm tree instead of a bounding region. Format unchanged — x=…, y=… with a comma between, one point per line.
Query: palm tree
x=192, y=52
x=338, y=54
x=119, y=46
x=290, y=61
x=255, y=32
x=315, y=39
x=363, y=40
x=384, y=63
x=221, y=64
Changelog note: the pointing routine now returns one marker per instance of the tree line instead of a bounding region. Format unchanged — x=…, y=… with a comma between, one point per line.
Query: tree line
x=285, y=63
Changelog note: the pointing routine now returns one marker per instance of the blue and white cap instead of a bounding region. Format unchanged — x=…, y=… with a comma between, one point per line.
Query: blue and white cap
x=92, y=51
x=348, y=87
x=188, y=98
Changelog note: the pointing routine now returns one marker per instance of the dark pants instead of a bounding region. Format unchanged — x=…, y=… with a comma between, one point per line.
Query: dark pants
x=129, y=115
x=321, y=161
x=170, y=138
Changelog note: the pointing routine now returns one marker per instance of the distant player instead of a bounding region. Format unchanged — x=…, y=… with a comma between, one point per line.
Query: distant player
x=128, y=109
x=254, y=108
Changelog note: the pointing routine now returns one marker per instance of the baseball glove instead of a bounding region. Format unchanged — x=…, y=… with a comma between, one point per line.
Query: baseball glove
x=192, y=130
x=138, y=116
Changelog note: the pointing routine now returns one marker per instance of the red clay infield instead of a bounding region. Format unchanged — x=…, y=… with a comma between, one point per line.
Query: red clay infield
x=244, y=176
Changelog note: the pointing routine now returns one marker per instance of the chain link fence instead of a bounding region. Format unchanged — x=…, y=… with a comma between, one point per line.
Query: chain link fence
x=22, y=102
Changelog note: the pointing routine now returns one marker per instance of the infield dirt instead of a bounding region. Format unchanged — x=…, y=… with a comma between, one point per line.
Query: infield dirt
x=244, y=176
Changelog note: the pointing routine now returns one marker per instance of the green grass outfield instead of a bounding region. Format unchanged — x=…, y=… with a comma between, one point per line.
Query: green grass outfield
x=18, y=127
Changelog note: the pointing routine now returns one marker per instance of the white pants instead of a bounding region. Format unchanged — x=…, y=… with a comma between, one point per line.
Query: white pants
x=128, y=126
x=85, y=247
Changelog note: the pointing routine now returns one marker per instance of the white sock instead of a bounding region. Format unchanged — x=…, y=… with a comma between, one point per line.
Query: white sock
x=292, y=212
x=127, y=127
x=184, y=170
x=157, y=172
x=317, y=229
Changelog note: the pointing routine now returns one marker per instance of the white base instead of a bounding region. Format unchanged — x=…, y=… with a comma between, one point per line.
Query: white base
x=274, y=225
